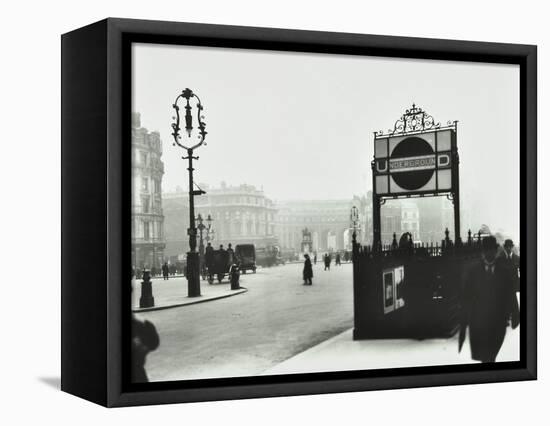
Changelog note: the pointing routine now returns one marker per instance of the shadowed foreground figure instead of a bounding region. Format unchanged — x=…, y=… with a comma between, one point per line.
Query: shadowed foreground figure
x=510, y=261
x=144, y=340
x=488, y=304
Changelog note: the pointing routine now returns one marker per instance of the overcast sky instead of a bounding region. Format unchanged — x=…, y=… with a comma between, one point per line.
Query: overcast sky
x=301, y=125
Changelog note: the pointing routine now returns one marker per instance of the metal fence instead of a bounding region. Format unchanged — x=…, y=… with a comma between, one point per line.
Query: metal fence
x=406, y=290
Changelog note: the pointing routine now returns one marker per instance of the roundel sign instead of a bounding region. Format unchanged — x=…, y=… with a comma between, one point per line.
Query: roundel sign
x=412, y=163
x=417, y=163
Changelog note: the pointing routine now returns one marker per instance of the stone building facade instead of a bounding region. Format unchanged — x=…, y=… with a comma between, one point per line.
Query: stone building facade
x=240, y=215
x=327, y=220
x=425, y=218
x=410, y=219
x=147, y=216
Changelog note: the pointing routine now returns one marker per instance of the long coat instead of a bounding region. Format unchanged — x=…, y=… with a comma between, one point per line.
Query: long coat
x=308, y=270
x=488, y=304
x=209, y=256
x=512, y=265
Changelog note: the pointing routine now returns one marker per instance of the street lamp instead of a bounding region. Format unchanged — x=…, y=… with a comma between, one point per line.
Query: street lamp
x=210, y=232
x=193, y=262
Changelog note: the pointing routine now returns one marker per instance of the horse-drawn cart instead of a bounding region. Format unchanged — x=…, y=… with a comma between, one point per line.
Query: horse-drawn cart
x=218, y=265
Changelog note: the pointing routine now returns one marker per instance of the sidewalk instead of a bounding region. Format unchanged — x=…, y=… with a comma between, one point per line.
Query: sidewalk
x=342, y=353
x=172, y=293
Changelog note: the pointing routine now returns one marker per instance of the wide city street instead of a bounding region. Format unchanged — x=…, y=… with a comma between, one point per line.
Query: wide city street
x=250, y=333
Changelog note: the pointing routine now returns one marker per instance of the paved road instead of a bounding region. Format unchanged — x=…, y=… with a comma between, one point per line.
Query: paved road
x=247, y=334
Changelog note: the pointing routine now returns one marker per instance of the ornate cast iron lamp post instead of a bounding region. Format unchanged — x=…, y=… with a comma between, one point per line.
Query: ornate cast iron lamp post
x=193, y=261
x=210, y=233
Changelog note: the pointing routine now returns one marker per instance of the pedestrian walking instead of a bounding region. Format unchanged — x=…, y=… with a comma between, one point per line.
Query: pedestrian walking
x=488, y=304
x=327, y=260
x=510, y=262
x=315, y=258
x=165, y=270
x=338, y=262
x=308, y=271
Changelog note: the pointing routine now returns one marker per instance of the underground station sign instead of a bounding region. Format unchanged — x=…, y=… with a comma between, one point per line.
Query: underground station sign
x=420, y=163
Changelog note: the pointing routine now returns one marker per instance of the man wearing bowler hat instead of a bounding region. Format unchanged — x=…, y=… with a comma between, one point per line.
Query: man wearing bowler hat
x=488, y=304
x=510, y=261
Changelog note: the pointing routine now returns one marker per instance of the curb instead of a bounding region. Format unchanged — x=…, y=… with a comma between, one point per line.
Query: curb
x=194, y=302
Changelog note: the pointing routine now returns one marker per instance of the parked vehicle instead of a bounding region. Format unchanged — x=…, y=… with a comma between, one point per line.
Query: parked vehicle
x=246, y=257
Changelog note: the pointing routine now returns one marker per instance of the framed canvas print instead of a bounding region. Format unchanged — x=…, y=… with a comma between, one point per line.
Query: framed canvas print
x=253, y=212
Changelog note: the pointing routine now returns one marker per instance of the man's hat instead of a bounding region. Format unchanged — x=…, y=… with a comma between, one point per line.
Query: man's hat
x=489, y=243
x=508, y=243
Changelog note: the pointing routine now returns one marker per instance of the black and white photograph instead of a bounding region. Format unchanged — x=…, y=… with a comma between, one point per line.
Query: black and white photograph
x=275, y=213
x=297, y=212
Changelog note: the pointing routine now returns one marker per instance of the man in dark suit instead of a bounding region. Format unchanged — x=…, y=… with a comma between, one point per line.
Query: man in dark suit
x=488, y=304
x=209, y=258
x=308, y=271
x=510, y=261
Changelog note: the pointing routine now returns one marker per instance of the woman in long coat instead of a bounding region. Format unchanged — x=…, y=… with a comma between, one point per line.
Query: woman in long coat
x=489, y=304
x=308, y=270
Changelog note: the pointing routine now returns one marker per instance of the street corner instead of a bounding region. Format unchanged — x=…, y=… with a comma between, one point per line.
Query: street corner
x=168, y=298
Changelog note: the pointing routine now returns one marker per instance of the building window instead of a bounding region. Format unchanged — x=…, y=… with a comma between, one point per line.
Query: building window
x=143, y=158
x=157, y=186
x=146, y=231
x=144, y=184
x=145, y=204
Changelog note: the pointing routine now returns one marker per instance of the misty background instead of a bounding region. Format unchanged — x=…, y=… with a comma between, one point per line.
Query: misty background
x=300, y=125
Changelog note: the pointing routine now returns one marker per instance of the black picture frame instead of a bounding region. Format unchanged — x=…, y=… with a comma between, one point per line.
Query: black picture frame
x=95, y=208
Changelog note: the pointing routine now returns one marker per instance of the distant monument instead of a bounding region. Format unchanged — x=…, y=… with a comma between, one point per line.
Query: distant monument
x=307, y=241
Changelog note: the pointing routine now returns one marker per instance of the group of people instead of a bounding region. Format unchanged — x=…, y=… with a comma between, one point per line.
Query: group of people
x=232, y=264
x=308, y=268
x=489, y=303
x=145, y=337
x=166, y=270
x=209, y=255
x=327, y=259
